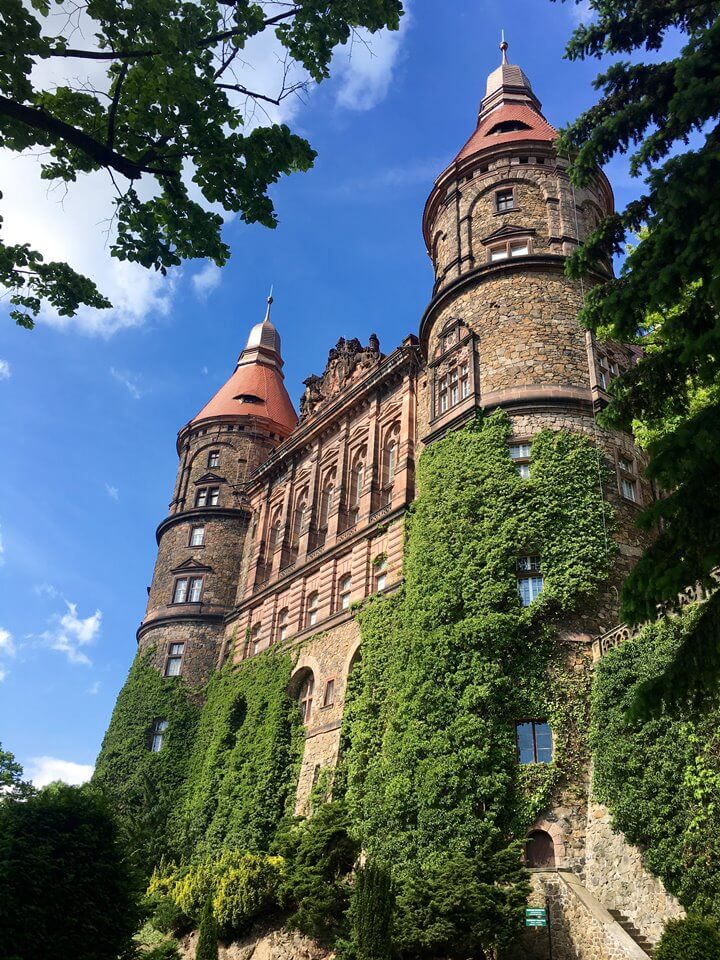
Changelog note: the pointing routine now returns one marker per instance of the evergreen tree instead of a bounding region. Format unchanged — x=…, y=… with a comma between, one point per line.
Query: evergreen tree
x=207, y=945
x=371, y=911
x=666, y=110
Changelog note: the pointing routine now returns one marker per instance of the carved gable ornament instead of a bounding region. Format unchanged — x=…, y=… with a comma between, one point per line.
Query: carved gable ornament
x=210, y=478
x=507, y=233
x=191, y=565
x=348, y=362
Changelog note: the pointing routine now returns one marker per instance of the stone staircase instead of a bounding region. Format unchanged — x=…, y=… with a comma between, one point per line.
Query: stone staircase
x=632, y=931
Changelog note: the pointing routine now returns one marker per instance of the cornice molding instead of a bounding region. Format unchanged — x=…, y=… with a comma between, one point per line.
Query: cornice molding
x=201, y=513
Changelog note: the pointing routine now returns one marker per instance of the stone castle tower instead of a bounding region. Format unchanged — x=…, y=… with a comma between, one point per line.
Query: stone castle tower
x=278, y=525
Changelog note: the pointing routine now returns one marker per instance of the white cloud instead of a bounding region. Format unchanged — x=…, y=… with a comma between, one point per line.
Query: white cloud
x=71, y=633
x=112, y=492
x=46, y=590
x=3, y=674
x=44, y=770
x=94, y=688
x=207, y=279
x=7, y=644
x=128, y=380
x=4, y=370
x=365, y=66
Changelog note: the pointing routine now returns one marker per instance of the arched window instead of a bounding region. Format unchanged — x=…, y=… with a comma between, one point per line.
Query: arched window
x=327, y=498
x=357, y=481
x=344, y=591
x=311, y=609
x=273, y=535
x=540, y=850
x=283, y=624
x=298, y=522
x=389, y=465
x=305, y=697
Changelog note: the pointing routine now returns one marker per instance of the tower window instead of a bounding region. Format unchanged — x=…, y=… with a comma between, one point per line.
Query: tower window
x=442, y=394
x=530, y=580
x=174, y=659
x=504, y=200
x=311, y=609
x=454, y=386
x=207, y=497
x=534, y=742
x=627, y=479
x=329, y=695
x=344, y=592
x=197, y=536
x=520, y=455
x=464, y=381
x=512, y=248
x=158, y=735
x=187, y=590
x=282, y=624
x=214, y=458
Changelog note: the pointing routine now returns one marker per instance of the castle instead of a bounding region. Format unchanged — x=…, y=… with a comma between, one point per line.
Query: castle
x=280, y=525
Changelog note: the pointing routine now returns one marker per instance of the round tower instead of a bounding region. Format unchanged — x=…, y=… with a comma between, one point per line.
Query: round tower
x=201, y=541
x=501, y=328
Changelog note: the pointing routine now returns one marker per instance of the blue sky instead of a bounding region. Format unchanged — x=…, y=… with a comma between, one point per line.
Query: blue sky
x=92, y=407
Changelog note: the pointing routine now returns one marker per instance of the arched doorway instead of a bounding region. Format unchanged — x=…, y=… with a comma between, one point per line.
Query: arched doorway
x=540, y=850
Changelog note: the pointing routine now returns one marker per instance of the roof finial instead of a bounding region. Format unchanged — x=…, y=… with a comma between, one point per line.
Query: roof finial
x=503, y=47
x=269, y=304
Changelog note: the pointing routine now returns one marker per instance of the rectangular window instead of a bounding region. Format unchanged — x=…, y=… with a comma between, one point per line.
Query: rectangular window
x=443, y=395
x=195, y=590
x=464, y=381
x=158, y=735
x=345, y=592
x=504, y=200
x=214, y=458
x=613, y=369
x=520, y=455
x=213, y=496
x=628, y=489
x=529, y=580
x=520, y=248
x=197, y=536
x=534, y=742
x=625, y=464
x=174, y=660
x=498, y=253
x=180, y=591
x=454, y=387
x=201, y=497
x=329, y=697
x=381, y=576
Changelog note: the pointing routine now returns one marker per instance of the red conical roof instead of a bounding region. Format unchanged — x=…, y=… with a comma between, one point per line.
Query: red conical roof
x=256, y=389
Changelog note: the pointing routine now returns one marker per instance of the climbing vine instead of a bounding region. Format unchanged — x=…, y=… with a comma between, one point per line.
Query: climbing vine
x=450, y=665
x=659, y=773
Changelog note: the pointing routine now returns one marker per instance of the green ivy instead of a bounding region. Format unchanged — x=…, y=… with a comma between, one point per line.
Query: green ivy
x=660, y=774
x=144, y=786
x=244, y=764
x=453, y=662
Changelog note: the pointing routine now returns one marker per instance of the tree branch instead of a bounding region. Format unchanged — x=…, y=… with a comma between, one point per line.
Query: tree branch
x=140, y=54
x=114, y=105
x=105, y=156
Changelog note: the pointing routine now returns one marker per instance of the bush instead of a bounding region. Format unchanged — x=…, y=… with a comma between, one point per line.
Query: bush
x=167, y=917
x=164, y=951
x=66, y=886
x=690, y=939
x=371, y=912
x=246, y=890
x=207, y=945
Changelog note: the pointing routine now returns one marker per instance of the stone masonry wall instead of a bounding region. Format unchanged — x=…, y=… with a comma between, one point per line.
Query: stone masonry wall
x=616, y=876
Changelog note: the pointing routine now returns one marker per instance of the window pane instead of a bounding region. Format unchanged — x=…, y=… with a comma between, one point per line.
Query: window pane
x=172, y=667
x=180, y=594
x=526, y=750
x=157, y=743
x=520, y=451
x=543, y=743
x=201, y=498
x=214, y=496
x=195, y=589
x=528, y=563
x=381, y=581
x=176, y=649
x=498, y=253
x=628, y=489
x=197, y=537
x=523, y=470
x=329, y=693
x=625, y=465
x=213, y=458
x=520, y=249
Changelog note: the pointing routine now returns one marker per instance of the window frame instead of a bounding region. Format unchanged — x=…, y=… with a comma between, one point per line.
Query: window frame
x=344, y=593
x=255, y=637
x=529, y=575
x=534, y=724
x=213, y=459
x=157, y=734
x=522, y=460
x=312, y=607
x=627, y=475
x=503, y=202
x=193, y=528
x=305, y=697
x=505, y=248
x=329, y=693
x=283, y=624
x=173, y=657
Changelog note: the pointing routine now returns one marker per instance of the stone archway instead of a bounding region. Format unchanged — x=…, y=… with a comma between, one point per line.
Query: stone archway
x=540, y=850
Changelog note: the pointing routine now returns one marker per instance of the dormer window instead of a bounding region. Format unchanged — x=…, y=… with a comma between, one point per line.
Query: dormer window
x=507, y=126
x=248, y=398
x=504, y=200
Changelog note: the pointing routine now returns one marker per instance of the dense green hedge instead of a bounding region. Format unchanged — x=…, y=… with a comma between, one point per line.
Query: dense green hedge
x=451, y=665
x=660, y=775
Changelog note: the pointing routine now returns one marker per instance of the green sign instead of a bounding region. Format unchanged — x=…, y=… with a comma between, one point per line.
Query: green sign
x=535, y=917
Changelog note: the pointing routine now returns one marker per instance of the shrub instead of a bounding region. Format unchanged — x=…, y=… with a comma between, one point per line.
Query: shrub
x=207, y=945
x=371, y=912
x=690, y=939
x=245, y=890
x=164, y=951
x=167, y=917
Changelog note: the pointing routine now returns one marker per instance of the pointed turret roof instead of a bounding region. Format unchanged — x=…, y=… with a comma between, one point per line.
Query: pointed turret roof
x=508, y=112
x=256, y=389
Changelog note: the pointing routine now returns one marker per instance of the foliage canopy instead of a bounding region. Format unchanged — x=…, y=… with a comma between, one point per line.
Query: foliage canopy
x=170, y=119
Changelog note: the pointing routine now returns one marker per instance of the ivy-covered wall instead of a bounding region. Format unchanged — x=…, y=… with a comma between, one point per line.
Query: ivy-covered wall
x=454, y=662
x=658, y=770
x=226, y=773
